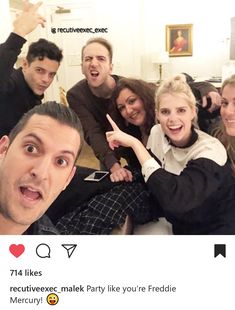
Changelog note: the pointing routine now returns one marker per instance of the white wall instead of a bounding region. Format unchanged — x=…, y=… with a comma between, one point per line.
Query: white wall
x=136, y=29
x=123, y=32
x=211, y=30
x=5, y=25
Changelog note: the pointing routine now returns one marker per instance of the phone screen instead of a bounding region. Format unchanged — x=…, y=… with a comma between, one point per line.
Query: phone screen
x=96, y=176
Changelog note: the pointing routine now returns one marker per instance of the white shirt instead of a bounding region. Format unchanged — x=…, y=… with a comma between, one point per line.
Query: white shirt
x=174, y=159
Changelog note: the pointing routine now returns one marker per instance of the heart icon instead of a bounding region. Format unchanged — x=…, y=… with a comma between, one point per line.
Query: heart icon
x=16, y=249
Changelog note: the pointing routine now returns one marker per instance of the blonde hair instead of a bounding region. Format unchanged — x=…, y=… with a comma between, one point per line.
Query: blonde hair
x=176, y=86
x=228, y=81
x=220, y=132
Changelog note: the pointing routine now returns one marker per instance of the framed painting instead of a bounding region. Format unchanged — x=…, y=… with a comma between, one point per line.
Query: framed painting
x=179, y=40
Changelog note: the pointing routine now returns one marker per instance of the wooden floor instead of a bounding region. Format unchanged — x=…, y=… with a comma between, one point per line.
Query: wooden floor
x=87, y=158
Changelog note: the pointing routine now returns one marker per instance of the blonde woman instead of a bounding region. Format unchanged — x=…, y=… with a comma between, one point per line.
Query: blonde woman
x=226, y=132
x=184, y=168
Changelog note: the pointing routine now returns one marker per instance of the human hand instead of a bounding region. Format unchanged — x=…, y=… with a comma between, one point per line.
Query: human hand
x=117, y=137
x=118, y=173
x=215, y=101
x=28, y=19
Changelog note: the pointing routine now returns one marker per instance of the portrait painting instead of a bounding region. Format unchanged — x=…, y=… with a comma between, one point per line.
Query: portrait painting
x=179, y=40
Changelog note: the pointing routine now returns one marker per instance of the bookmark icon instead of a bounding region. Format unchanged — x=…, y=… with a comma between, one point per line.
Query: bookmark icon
x=220, y=249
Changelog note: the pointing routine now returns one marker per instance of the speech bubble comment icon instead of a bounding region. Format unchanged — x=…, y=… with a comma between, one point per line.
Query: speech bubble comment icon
x=43, y=250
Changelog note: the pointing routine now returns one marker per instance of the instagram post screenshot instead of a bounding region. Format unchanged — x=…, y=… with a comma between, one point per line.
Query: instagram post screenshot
x=117, y=155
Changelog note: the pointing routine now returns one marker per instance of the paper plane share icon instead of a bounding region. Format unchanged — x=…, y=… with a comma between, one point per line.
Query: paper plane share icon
x=69, y=248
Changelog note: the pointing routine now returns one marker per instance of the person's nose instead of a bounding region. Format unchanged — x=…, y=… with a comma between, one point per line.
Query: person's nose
x=172, y=116
x=94, y=62
x=129, y=109
x=46, y=79
x=41, y=168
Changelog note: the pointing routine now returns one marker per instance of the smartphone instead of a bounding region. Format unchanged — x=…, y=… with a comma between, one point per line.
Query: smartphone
x=96, y=176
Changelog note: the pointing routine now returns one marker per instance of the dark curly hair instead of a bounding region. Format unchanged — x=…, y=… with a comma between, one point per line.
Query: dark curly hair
x=43, y=48
x=145, y=91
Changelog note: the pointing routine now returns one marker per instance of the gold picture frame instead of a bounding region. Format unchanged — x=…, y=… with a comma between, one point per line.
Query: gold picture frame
x=179, y=40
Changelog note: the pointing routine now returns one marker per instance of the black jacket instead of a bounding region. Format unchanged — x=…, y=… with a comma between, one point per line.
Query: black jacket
x=193, y=185
x=16, y=98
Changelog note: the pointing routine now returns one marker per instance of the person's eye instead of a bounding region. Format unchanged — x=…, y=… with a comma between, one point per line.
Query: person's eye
x=31, y=149
x=101, y=58
x=120, y=108
x=52, y=75
x=62, y=162
x=87, y=59
x=224, y=103
x=182, y=110
x=132, y=100
x=164, y=112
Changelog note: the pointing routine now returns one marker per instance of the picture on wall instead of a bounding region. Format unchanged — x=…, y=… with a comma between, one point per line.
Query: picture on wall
x=179, y=40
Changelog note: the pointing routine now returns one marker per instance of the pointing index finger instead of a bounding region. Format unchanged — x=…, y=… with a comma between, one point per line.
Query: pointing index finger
x=112, y=123
x=26, y=6
x=36, y=6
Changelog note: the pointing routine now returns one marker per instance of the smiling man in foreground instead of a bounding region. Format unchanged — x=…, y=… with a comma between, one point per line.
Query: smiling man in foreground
x=37, y=162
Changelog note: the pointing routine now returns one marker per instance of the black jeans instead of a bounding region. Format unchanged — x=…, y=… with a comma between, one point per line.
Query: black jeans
x=77, y=192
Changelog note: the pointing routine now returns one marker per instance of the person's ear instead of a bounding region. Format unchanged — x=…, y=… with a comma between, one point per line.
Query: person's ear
x=25, y=64
x=156, y=115
x=82, y=68
x=194, y=113
x=72, y=173
x=4, y=144
x=111, y=68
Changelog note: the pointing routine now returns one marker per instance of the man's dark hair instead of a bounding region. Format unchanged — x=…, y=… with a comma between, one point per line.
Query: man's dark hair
x=57, y=111
x=103, y=42
x=43, y=48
